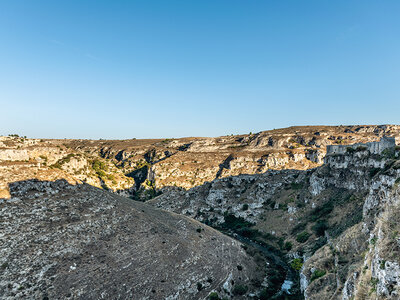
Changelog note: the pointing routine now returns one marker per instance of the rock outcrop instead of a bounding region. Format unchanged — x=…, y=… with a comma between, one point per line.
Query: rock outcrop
x=119, y=165
x=336, y=224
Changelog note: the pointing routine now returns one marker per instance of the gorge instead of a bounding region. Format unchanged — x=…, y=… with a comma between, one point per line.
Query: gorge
x=269, y=215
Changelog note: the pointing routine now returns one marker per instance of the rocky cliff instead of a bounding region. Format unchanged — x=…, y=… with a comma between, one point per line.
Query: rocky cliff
x=143, y=168
x=336, y=225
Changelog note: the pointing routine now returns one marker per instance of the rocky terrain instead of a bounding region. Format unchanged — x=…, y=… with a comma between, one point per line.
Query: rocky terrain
x=63, y=241
x=258, y=216
x=336, y=225
x=143, y=168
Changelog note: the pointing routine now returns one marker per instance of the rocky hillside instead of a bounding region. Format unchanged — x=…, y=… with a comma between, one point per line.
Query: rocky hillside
x=336, y=226
x=143, y=168
x=301, y=224
x=63, y=241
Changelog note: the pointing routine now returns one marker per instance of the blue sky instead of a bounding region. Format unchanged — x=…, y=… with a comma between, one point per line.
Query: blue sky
x=148, y=69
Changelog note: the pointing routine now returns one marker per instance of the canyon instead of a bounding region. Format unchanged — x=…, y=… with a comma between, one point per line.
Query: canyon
x=269, y=215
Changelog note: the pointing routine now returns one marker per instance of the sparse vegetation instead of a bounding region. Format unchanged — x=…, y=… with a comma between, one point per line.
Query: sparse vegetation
x=297, y=264
x=240, y=290
x=373, y=172
x=100, y=168
x=303, y=237
x=64, y=160
x=320, y=227
x=373, y=283
x=213, y=296
x=235, y=223
x=317, y=274
x=4, y=265
x=321, y=211
x=382, y=264
x=287, y=246
x=296, y=186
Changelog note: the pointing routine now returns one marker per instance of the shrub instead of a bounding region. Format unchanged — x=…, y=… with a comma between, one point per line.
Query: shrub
x=283, y=206
x=299, y=227
x=289, y=200
x=248, y=232
x=361, y=148
x=275, y=277
x=296, y=186
x=99, y=167
x=303, y=237
x=297, y=264
x=320, y=227
x=317, y=274
x=265, y=295
x=56, y=166
x=388, y=153
x=4, y=266
x=322, y=211
x=150, y=194
x=287, y=246
x=318, y=244
x=110, y=177
x=213, y=296
x=373, y=172
x=240, y=290
x=245, y=207
x=235, y=223
x=300, y=204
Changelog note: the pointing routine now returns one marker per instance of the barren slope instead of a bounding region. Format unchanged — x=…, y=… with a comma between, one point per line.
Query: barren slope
x=61, y=241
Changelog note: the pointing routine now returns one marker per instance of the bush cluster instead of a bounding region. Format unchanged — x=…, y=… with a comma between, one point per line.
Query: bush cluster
x=317, y=274
x=303, y=237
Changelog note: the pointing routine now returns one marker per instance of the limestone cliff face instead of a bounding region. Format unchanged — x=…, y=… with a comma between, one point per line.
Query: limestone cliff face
x=366, y=256
x=338, y=222
x=192, y=161
x=22, y=159
x=140, y=167
x=61, y=241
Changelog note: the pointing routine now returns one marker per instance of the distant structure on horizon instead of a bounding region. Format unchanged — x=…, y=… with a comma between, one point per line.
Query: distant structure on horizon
x=373, y=147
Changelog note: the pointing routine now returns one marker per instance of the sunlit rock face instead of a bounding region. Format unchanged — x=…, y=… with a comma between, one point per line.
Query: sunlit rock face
x=118, y=165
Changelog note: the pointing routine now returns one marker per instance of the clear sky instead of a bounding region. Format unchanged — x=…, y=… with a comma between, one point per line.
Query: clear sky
x=124, y=69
